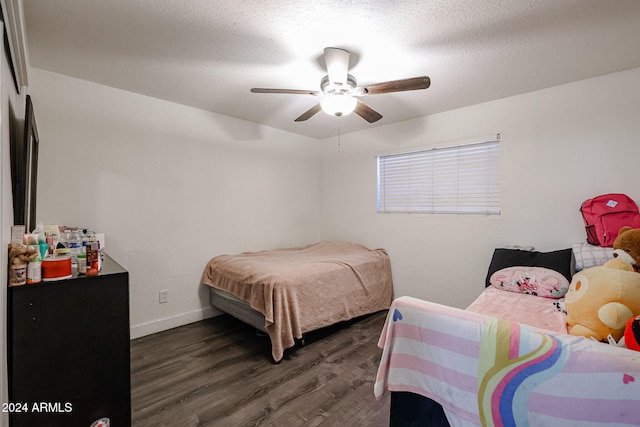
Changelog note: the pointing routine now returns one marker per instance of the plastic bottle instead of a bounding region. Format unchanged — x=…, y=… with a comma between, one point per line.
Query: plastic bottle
x=40, y=232
x=63, y=247
x=75, y=244
x=82, y=263
x=17, y=272
x=100, y=256
x=34, y=269
x=92, y=259
x=85, y=240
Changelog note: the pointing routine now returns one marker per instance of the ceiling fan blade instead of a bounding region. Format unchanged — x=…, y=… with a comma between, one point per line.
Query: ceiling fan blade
x=413, y=83
x=286, y=91
x=337, y=61
x=366, y=112
x=309, y=113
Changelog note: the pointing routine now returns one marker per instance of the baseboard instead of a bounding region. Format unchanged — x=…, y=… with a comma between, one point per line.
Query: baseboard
x=181, y=319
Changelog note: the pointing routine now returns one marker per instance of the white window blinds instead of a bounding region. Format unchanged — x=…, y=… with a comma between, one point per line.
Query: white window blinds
x=461, y=179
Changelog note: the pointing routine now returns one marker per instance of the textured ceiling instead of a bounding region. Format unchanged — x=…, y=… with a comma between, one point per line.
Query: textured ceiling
x=208, y=54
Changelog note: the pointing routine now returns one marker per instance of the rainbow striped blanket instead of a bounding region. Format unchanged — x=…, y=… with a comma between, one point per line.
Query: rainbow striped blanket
x=486, y=371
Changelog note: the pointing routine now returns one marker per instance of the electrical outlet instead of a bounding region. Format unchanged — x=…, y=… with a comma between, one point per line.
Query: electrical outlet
x=163, y=297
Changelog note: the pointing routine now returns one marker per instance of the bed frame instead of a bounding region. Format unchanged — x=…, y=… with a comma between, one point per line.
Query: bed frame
x=237, y=308
x=413, y=410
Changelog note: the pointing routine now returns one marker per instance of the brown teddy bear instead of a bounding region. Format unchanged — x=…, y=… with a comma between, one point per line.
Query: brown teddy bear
x=627, y=246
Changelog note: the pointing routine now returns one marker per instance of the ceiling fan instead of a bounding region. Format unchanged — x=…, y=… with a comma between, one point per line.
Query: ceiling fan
x=339, y=89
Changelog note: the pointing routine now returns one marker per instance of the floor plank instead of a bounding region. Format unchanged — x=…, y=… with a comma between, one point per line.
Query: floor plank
x=219, y=372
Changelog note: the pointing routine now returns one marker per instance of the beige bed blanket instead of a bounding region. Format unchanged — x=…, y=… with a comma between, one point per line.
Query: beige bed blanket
x=302, y=289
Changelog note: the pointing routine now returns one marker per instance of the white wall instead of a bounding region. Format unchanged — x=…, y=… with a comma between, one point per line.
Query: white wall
x=171, y=186
x=560, y=146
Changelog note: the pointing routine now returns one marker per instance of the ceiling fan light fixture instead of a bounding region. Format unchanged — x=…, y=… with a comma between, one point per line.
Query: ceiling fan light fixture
x=339, y=89
x=338, y=104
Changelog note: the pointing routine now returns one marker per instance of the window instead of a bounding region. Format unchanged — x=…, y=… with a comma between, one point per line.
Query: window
x=461, y=179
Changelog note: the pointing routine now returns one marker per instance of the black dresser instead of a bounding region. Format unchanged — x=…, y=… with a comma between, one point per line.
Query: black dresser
x=68, y=351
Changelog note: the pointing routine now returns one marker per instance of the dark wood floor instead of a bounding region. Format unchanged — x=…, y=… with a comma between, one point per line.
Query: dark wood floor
x=218, y=372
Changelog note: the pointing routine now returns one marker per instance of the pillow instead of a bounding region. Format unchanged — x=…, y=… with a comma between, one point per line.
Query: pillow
x=587, y=255
x=561, y=261
x=538, y=281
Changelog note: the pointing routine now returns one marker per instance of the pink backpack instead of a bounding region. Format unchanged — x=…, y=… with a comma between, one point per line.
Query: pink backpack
x=605, y=215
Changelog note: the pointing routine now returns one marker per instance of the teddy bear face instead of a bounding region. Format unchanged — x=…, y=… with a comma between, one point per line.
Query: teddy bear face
x=601, y=299
x=627, y=245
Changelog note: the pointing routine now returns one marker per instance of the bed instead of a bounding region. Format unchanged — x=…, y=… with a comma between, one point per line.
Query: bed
x=289, y=292
x=506, y=360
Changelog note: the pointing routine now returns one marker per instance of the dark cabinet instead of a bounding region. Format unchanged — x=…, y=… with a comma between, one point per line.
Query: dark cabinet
x=68, y=350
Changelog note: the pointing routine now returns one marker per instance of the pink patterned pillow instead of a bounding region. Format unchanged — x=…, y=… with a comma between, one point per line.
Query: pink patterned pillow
x=538, y=281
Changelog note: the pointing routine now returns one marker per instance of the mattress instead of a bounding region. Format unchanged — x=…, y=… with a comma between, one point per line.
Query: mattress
x=542, y=313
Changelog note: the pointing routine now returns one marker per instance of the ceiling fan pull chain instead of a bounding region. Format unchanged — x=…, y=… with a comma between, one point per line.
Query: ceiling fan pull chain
x=339, y=121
